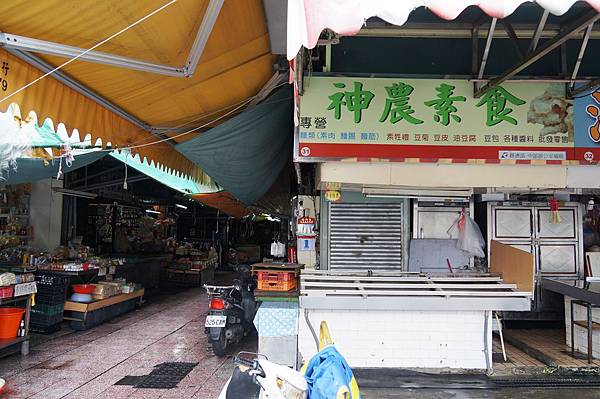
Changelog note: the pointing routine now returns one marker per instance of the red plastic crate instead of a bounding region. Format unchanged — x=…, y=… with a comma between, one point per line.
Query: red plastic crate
x=6, y=292
x=275, y=276
x=270, y=285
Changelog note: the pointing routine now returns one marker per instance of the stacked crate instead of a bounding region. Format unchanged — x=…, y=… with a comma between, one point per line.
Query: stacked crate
x=276, y=277
x=47, y=314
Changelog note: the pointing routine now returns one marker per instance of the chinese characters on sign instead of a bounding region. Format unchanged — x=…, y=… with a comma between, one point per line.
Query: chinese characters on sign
x=431, y=118
x=398, y=108
x=4, y=76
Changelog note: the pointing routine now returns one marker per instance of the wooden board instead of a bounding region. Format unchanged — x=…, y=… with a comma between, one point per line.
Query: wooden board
x=88, y=307
x=278, y=266
x=515, y=266
x=593, y=263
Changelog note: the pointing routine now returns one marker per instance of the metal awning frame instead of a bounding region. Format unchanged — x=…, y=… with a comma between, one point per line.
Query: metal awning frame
x=585, y=21
x=485, y=27
x=22, y=43
x=23, y=47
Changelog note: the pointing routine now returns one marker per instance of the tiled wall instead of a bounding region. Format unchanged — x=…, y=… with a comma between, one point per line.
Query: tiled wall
x=413, y=339
x=580, y=332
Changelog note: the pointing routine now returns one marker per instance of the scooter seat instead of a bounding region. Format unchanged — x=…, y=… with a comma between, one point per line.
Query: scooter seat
x=242, y=386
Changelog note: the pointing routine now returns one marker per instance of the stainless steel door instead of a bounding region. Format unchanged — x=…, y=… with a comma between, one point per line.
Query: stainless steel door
x=437, y=223
x=558, y=258
x=512, y=223
x=565, y=230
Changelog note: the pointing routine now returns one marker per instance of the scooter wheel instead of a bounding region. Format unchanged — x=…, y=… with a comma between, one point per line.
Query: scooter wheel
x=220, y=346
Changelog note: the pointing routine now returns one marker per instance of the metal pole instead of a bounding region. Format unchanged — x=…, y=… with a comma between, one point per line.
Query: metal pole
x=513, y=38
x=474, y=49
x=486, y=51
x=584, y=43
x=538, y=32
x=566, y=33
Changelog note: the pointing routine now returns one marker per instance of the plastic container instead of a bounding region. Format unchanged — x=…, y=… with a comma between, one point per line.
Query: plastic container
x=274, y=285
x=10, y=319
x=83, y=288
x=275, y=275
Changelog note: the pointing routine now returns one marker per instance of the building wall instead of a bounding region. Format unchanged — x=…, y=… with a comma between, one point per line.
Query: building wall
x=412, y=339
x=433, y=175
x=46, y=214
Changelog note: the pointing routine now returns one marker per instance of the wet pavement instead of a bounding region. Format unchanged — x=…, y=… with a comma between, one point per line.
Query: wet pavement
x=81, y=365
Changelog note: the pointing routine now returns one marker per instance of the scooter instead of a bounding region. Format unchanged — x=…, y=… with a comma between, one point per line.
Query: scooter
x=262, y=379
x=231, y=311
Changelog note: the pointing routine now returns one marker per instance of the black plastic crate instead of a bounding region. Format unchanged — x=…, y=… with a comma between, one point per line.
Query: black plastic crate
x=51, y=290
x=45, y=329
x=44, y=320
x=45, y=279
x=49, y=310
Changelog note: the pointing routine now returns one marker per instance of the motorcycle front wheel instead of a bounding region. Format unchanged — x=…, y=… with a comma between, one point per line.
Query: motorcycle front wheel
x=220, y=345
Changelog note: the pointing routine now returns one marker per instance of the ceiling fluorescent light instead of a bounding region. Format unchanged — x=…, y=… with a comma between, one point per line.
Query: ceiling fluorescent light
x=153, y=212
x=74, y=193
x=181, y=206
x=431, y=194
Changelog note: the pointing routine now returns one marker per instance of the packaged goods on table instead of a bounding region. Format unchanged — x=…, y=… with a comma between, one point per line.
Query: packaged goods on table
x=106, y=289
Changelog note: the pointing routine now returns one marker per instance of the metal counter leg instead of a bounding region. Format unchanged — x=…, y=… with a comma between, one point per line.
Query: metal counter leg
x=590, y=331
x=25, y=347
x=572, y=330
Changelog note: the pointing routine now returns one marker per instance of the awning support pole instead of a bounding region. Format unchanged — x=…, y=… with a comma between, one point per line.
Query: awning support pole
x=513, y=38
x=564, y=35
x=10, y=41
x=27, y=44
x=488, y=44
x=538, y=32
x=206, y=27
x=584, y=43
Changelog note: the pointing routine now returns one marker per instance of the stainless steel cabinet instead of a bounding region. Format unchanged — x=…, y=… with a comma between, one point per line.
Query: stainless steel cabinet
x=557, y=247
x=433, y=220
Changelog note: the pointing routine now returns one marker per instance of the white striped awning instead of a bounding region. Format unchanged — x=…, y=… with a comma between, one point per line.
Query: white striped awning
x=308, y=18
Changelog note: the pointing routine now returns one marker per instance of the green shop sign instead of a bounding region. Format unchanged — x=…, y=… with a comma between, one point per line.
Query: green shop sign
x=430, y=118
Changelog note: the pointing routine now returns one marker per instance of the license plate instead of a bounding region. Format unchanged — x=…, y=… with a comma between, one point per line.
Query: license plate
x=215, y=321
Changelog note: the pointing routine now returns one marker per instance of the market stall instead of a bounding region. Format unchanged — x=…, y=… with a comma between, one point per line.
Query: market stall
x=17, y=292
x=412, y=321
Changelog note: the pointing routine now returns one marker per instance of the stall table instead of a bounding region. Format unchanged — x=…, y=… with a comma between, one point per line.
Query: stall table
x=383, y=319
x=87, y=315
x=277, y=324
x=582, y=303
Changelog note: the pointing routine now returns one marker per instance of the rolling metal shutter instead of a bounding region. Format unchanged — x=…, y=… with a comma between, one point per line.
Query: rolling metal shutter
x=365, y=236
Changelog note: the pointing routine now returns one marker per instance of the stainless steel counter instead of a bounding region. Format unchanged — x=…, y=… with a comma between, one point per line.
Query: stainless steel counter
x=574, y=288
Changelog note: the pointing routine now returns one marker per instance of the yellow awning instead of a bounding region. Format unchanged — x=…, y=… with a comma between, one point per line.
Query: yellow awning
x=235, y=63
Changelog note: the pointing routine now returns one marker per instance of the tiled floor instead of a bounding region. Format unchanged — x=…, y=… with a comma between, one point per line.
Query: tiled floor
x=515, y=358
x=82, y=365
x=552, y=343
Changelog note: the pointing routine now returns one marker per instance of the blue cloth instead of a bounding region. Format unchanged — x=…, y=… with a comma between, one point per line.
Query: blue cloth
x=277, y=319
x=246, y=154
x=326, y=373
x=33, y=169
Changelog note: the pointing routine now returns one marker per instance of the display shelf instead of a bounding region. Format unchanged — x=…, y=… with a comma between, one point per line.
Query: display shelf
x=92, y=306
x=7, y=343
x=23, y=341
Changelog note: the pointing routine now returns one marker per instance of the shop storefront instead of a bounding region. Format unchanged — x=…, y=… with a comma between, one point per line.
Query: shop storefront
x=409, y=160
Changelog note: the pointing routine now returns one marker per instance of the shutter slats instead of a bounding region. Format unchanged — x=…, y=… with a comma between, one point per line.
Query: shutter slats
x=365, y=236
